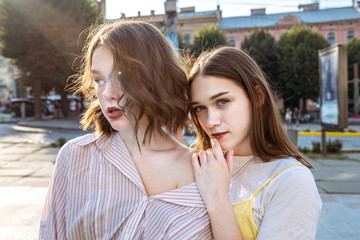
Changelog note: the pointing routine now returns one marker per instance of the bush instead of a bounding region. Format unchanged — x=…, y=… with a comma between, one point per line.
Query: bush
x=333, y=147
x=351, y=130
x=316, y=147
x=6, y=111
x=304, y=149
x=59, y=143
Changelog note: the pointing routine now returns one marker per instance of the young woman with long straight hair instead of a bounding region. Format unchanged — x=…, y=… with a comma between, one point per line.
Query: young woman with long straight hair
x=263, y=189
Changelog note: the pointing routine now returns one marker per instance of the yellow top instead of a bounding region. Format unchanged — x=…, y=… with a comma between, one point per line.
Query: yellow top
x=243, y=210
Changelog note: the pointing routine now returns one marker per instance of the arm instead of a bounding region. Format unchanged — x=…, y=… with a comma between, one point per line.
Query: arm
x=53, y=224
x=213, y=180
x=292, y=207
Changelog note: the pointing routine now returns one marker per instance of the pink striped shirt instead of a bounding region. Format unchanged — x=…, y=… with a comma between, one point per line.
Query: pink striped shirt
x=96, y=193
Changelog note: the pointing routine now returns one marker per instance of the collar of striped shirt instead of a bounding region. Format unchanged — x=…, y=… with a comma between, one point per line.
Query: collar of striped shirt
x=115, y=151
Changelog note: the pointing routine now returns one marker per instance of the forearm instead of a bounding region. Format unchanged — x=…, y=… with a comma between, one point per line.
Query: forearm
x=223, y=221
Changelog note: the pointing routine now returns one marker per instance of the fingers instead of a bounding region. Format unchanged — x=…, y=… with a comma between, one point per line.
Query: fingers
x=230, y=160
x=203, y=158
x=217, y=150
x=210, y=155
x=195, y=161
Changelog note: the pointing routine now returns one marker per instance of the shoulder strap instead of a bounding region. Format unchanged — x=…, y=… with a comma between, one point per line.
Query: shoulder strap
x=267, y=181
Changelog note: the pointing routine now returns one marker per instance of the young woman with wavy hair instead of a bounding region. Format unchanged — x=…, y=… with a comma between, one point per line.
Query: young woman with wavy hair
x=130, y=179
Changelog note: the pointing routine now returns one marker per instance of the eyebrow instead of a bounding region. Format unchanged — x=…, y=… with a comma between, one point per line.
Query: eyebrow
x=213, y=97
x=94, y=71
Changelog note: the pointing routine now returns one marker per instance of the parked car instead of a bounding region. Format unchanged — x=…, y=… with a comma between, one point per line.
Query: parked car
x=15, y=107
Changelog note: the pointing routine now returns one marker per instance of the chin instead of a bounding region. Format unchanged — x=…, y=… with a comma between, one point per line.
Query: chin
x=225, y=147
x=120, y=126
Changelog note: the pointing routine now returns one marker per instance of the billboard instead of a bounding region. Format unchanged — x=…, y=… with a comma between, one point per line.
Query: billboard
x=333, y=87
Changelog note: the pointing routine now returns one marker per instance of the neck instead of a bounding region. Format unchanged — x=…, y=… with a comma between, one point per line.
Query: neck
x=243, y=148
x=159, y=142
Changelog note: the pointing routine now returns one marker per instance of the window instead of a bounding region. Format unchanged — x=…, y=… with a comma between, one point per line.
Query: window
x=350, y=35
x=187, y=39
x=232, y=43
x=331, y=38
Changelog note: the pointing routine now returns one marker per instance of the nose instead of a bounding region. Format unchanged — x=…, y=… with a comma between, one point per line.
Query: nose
x=110, y=92
x=213, y=118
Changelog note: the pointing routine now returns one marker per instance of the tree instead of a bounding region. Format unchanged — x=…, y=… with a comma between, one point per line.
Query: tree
x=353, y=50
x=207, y=38
x=262, y=47
x=298, y=65
x=42, y=36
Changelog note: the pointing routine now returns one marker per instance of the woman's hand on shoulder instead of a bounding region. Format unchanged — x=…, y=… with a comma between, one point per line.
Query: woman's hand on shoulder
x=213, y=174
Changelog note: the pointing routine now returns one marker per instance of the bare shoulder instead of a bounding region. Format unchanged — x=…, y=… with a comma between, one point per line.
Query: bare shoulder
x=183, y=163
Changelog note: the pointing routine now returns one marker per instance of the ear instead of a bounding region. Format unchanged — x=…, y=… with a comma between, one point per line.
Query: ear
x=260, y=96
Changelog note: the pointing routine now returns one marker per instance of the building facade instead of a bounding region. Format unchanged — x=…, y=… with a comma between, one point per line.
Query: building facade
x=189, y=21
x=336, y=25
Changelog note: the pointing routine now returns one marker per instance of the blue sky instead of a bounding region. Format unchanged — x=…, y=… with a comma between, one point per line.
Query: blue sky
x=229, y=8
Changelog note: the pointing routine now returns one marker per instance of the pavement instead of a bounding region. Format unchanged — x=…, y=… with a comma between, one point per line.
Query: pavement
x=26, y=169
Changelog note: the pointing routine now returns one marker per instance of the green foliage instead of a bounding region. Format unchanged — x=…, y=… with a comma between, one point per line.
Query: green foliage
x=6, y=111
x=42, y=36
x=333, y=146
x=304, y=149
x=353, y=50
x=59, y=142
x=315, y=147
x=262, y=47
x=311, y=156
x=298, y=64
x=183, y=47
x=207, y=38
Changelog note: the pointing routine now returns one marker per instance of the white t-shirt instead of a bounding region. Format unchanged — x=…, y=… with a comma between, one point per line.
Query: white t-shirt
x=288, y=207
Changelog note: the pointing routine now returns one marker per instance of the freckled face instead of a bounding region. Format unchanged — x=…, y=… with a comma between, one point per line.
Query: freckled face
x=106, y=91
x=224, y=112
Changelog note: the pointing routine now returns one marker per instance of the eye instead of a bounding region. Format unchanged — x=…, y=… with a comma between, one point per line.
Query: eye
x=99, y=82
x=199, y=108
x=221, y=102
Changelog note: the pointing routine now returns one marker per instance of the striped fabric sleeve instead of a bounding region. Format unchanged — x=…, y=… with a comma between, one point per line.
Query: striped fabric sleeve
x=52, y=223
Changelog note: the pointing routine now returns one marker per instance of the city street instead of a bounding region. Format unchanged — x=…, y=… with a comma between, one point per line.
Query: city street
x=13, y=133
x=27, y=162
x=26, y=165
x=307, y=51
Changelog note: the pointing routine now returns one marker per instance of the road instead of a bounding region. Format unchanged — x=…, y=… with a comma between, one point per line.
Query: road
x=13, y=133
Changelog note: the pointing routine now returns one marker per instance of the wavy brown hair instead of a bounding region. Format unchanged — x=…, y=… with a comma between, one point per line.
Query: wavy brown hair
x=147, y=70
x=268, y=138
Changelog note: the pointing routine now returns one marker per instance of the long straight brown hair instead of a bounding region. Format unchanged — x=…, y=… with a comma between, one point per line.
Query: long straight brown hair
x=146, y=69
x=268, y=138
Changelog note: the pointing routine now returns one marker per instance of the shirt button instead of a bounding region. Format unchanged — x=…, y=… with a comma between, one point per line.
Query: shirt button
x=144, y=198
x=42, y=223
x=126, y=236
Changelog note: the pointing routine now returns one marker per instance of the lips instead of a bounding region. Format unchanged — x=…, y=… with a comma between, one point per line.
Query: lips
x=219, y=135
x=115, y=112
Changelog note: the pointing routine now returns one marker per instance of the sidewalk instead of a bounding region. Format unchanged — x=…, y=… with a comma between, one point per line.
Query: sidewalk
x=64, y=123
x=25, y=175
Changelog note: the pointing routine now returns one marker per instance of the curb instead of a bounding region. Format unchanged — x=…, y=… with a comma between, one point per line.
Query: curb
x=340, y=134
x=49, y=127
x=350, y=150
